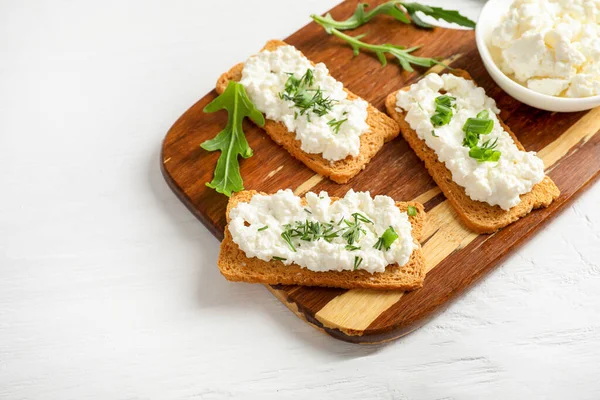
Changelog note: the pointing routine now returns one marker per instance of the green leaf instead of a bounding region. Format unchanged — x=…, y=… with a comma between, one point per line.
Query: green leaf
x=437, y=13
x=402, y=54
x=360, y=17
x=231, y=141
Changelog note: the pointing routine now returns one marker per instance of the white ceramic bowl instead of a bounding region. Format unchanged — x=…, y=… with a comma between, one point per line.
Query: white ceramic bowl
x=490, y=17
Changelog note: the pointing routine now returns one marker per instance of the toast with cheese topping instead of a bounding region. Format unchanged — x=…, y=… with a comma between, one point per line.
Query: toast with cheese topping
x=236, y=266
x=381, y=130
x=478, y=216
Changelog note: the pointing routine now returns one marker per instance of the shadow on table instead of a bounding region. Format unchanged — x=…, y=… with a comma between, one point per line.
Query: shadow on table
x=214, y=291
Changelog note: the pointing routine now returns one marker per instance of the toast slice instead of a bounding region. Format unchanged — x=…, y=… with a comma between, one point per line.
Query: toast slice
x=476, y=215
x=382, y=130
x=235, y=266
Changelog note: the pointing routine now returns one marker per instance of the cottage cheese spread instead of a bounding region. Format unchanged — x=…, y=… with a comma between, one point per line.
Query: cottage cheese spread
x=496, y=183
x=264, y=77
x=248, y=221
x=551, y=46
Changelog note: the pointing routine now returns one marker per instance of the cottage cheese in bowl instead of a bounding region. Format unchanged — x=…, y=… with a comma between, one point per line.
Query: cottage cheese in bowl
x=551, y=46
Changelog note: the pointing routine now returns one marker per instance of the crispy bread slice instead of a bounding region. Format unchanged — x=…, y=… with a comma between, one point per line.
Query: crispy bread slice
x=382, y=129
x=476, y=215
x=235, y=266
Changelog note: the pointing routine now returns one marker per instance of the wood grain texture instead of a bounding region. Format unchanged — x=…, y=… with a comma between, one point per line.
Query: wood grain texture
x=568, y=143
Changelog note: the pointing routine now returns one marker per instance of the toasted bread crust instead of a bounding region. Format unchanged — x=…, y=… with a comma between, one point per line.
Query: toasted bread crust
x=476, y=215
x=235, y=266
x=382, y=130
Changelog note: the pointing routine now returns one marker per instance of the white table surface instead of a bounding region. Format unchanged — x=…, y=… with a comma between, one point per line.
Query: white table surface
x=108, y=285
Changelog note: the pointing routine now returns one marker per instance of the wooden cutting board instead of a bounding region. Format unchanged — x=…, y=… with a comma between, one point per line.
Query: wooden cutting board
x=456, y=258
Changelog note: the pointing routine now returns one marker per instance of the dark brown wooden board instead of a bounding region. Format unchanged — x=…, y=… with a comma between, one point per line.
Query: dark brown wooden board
x=568, y=144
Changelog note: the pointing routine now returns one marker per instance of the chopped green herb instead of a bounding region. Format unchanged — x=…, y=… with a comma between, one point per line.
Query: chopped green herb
x=279, y=258
x=263, y=228
x=411, y=211
x=471, y=139
x=287, y=236
x=309, y=231
x=362, y=218
x=486, y=152
x=307, y=210
x=434, y=134
x=354, y=228
x=441, y=118
x=305, y=97
x=357, y=261
x=443, y=110
x=445, y=100
x=474, y=128
x=336, y=124
x=478, y=126
x=483, y=114
x=386, y=240
x=352, y=233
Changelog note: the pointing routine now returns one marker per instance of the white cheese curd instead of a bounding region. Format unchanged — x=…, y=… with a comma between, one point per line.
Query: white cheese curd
x=277, y=210
x=551, y=46
x=496, y=183
x=264, y=77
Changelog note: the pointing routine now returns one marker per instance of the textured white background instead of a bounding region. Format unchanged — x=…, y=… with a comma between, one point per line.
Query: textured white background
x=108, y=285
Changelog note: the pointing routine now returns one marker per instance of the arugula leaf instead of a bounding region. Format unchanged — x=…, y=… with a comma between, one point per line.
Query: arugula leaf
x=437, y=13
x=231, y=141
x=402, y=54
x=361, y=17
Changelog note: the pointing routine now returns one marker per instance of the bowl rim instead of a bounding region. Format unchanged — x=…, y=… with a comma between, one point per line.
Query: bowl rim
x=480, y=39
